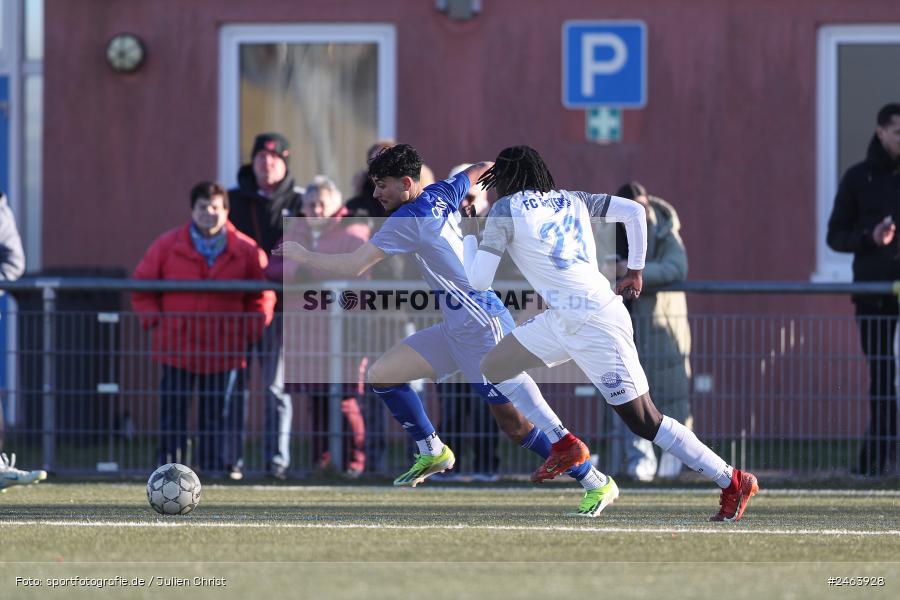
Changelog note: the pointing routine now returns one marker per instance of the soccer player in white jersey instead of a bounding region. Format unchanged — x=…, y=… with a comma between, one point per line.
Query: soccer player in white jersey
x=547, y=232
x=424, y=222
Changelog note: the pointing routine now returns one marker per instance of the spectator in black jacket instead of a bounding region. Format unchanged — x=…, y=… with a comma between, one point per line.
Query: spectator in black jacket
x=266, y=192
x=265, y=195
x=863, y=220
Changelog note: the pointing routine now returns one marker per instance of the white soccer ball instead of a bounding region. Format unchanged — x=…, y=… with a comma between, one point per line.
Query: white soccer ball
x=173, y=489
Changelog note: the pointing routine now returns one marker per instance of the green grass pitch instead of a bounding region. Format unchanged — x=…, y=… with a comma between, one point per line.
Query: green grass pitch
x=441, y=541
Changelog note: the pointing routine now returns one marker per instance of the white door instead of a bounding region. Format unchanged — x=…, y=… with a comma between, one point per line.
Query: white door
x=330, y=89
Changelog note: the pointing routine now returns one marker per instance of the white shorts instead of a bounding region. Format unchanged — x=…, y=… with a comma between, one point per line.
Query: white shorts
x=602, y=346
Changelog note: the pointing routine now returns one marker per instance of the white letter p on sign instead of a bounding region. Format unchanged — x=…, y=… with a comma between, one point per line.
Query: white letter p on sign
x=591, y=67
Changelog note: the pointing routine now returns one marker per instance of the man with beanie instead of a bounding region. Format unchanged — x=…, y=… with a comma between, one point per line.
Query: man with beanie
x=863, y=221
x=264, y=196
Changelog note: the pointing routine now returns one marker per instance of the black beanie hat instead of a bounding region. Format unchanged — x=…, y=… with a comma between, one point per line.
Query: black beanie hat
x=271, y=142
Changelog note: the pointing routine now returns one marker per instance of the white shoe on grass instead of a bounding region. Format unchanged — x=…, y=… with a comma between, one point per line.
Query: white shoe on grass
x=10, y=475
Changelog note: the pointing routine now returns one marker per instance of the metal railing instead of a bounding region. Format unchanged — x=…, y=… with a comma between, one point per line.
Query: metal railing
x=783, y=392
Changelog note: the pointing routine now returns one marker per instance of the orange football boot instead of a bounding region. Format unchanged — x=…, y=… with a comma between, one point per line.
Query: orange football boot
x=566, y=453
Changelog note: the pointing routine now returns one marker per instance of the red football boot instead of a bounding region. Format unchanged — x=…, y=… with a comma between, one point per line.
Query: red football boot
x=736, y=496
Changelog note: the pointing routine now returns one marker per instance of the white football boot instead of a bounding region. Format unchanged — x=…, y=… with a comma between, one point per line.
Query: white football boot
x=10, y=475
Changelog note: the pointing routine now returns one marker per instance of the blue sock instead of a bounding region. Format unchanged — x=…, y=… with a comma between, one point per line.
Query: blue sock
x=538, y=442
x=407, y=408
x=580, y=472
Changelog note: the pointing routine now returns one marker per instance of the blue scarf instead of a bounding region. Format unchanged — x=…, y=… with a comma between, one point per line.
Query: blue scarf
x=209, y=247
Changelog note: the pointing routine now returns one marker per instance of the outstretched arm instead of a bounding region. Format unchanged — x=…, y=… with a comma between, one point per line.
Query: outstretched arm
x=350, y=264
x=481, y=261
x=628, y=212
x=481, y=265
x=634, y=217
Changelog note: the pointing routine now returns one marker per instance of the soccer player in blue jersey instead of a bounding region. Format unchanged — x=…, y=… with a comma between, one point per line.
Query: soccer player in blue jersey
x=425, y=222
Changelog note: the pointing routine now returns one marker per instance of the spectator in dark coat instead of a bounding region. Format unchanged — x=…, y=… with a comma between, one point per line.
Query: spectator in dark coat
x=866, y=208
x=266, y=192
x=661, y=331
x=265, y=195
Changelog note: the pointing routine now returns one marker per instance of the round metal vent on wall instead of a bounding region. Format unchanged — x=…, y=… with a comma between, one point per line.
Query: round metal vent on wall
x=125, y=53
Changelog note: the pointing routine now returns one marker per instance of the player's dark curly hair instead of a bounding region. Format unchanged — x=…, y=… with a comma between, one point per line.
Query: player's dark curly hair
x=401, y=160
x=518, y=168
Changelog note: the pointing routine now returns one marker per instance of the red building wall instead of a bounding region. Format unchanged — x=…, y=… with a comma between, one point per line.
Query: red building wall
x=728, y=134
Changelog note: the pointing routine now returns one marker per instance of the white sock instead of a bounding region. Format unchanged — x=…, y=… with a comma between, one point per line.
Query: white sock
x=523, y=392
x=593, y=480
x=725, y=480
x=432, y=445
x=678, y=440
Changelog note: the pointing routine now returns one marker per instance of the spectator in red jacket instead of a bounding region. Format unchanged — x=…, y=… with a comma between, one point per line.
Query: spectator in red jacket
x=200, y=338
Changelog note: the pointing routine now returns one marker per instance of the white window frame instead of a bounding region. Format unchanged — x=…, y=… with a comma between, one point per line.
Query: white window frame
x=232, y=36
x=834, y=266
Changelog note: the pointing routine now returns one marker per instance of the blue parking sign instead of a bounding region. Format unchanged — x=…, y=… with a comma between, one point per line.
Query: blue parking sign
x=604, y=64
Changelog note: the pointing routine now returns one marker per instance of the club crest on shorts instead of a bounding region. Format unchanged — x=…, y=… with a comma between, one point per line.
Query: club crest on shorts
x=611, y=380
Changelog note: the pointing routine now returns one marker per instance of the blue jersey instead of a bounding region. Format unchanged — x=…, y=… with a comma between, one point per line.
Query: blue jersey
x=428, y=227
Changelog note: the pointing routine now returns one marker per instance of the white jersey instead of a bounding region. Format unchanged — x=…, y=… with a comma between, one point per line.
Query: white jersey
x=549, y=237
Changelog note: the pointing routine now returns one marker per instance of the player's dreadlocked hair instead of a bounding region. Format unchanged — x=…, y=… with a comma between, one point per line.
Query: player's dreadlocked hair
x=401, y=160
x=518, y=168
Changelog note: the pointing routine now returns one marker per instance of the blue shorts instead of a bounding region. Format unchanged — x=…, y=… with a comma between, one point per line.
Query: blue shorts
x=449, y=351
